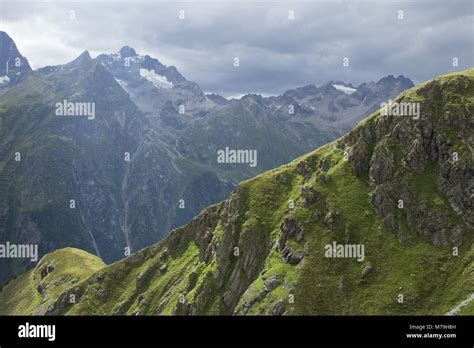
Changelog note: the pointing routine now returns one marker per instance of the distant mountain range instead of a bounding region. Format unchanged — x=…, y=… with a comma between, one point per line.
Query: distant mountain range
x=146, y=161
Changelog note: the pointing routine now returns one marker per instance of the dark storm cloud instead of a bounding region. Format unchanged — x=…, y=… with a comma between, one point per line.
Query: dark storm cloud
x=275, y=53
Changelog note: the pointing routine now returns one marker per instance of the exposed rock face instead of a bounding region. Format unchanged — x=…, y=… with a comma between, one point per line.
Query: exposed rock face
x=290, y=229
x=238, y=255
x=309, y=196
x=278, y=308
x=387, y=148
x=306, y=167
x=46, y=270
x=291, y=256
x=272, y=282
x=237, y=274
x=12, y=63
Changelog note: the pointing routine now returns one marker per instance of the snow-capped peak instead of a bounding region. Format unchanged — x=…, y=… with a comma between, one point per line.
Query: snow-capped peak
x=158, y=81
x=345, y=89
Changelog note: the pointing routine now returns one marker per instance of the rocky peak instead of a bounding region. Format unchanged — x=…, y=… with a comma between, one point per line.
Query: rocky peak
x=127, y=51
x=307, y=90
x=342, y=83
x=299, y=93
x=218, y=99
x=12, y=63
x=253, y=96
x=83, y=58
x=390, y=80
x=328, y=88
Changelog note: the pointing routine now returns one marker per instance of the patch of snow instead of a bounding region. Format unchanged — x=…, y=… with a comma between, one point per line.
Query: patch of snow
x=237, y=97
x=137, y=58
x=157, y=80
x=345, y=89
x=4, y=79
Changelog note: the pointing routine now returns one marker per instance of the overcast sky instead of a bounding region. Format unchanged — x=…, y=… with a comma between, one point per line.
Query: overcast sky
x=276, y=52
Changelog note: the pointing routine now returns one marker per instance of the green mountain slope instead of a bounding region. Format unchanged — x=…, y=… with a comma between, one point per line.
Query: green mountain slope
x=55, y=272
x=401, y=188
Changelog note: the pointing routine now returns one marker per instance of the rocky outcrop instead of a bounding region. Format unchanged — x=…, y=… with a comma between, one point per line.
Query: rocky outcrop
x=239, y=253
x=309, y=196
x=290, y=229
x=390, y=149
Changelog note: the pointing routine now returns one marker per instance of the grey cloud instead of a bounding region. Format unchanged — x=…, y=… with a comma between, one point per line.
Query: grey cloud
x=275, y=53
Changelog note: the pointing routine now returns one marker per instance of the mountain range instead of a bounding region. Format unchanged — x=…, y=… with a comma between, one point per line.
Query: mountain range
x=146, y=161
x=377, y=222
